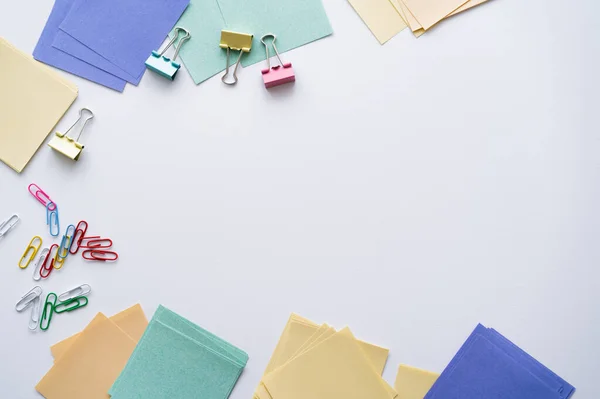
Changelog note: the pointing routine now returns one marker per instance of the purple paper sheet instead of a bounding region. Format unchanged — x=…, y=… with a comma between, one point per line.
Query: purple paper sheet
x=64, y=42
x=125, y=32
x=44, y=52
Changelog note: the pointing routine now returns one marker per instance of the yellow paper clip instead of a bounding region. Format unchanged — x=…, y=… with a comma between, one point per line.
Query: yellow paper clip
x=235, y=41
x=33, y=248
x=68, y=146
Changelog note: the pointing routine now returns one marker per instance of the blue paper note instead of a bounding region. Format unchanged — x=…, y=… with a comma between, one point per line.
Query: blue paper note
x=123, y=31
x=295, y=22
x=44, y=52
x=489, y=366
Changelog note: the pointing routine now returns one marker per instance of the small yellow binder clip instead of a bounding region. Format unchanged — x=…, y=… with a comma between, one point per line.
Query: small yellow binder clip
x=235, y=41
x=68, y=146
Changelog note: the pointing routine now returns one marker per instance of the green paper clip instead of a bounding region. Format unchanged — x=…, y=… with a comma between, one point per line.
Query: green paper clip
x=165, y=66
x=48, y=312
x=71, y=304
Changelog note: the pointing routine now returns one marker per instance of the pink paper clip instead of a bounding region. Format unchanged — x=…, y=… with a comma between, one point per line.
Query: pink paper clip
x=279, y=74
x=41, y=196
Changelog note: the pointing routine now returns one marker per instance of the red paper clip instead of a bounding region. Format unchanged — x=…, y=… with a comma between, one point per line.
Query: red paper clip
x=100, y=255
x=96, y=242
x=41, y=196
x=45, y=264
x=78, y=237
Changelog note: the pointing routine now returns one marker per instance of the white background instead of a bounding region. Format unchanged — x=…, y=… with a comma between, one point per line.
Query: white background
x=409, y=191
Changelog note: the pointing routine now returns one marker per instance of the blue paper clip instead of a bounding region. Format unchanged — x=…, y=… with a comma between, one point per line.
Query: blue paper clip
x=65, y=243
x=164, y=65
x=52, y=219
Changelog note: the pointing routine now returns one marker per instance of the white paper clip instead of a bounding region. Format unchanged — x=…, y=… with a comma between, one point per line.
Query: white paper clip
x=8, y=225
x=82, y=290
x=28, y=298
x=38, y=265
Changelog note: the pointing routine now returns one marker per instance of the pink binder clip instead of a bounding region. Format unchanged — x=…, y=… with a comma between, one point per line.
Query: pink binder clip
x=279, y=74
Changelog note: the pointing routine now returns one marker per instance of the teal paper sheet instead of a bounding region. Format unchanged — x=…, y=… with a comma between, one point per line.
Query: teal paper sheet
x=295, y=22
x=201, y=55
x=177, y=359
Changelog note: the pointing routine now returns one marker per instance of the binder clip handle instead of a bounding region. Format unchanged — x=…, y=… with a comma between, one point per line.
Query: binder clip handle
x=262, y=39
x=186, y=36
x=224, y=77
x=81, y=120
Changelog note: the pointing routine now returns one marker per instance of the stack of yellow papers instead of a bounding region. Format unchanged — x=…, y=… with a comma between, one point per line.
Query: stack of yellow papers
x=87, y=364
x=385, y=18
x=317, y=362
x=32, y=101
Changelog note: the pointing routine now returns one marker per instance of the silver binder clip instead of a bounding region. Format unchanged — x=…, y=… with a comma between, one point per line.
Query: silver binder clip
x=9, y=224
x=68, y=146
x=163, y=65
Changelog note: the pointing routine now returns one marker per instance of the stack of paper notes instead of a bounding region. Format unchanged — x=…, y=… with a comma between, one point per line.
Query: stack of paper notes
x=386, y=18
x=33, y=99
x=106, y=41
x=87, y=364
x=318, y=362
x=489, y=366
x=177, y=359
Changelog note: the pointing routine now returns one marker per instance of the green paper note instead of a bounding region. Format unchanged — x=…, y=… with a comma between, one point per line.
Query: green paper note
x=295, y=22
x=201, y=55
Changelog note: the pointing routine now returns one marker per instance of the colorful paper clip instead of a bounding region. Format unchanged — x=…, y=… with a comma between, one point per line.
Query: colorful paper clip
x=52, y=219
x=66, y=241
x=100, y=255
x=48, y=311
x=78, y=237
x=82, y=290
x=33, y=248
x=48, y=264
x=43, y=258
x=95, y=242
x=235, y=41
x=33, y=297
x=8, y=225
x=163, y=65
x=68, y=146
x=71, y=304
x=40, y=195
x=279, y=74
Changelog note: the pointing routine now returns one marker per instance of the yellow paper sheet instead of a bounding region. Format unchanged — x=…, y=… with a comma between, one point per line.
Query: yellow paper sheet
x=380, y=16
x=132, y=321
x=413, y=383
x=32, y=101
x=335, y=369
x=430, y=12
x=92, y=364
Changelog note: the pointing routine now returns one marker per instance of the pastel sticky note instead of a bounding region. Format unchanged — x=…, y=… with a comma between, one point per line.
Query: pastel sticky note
x=334, y=369
x=132, y=321
x=295, y=23
x=91, y=364
x=33, y=99
x=202, y=55
x=47, y=54
x=413, y=383
x=430, y=12
x=380, y=16
x=123, y=31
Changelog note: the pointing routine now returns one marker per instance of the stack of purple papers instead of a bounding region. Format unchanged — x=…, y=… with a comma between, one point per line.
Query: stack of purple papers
x=106, y=41
x=489, y=366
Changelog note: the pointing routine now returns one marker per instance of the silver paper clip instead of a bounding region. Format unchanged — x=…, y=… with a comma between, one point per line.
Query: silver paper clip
x=8, y=225
x=82, y=290
x=38, y=265
x=69, y=146
x=163, y=65
x=28, y=298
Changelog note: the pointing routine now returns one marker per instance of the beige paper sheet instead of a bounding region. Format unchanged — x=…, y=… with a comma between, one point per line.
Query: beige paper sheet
x=131, y=320
x=33, y=99
x=337, y=368
x=413, y=383
x=92, y=364
x=430, y=12
x=380, y=16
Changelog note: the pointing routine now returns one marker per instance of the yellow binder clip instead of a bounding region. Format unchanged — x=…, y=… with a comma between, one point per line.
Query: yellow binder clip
x=68, y=146
x=235, y=41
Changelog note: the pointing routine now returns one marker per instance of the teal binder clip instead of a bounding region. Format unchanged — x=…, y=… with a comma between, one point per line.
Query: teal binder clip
x=163, y=65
